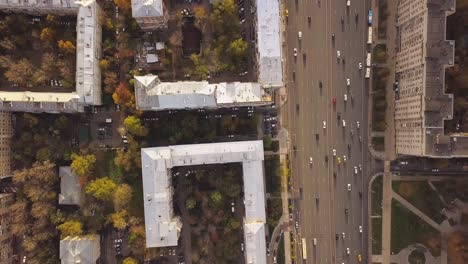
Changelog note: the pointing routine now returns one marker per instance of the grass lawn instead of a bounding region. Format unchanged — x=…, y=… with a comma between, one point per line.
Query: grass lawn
x=378, y=143
x=272, y=175
x=408, y=228
x=280, y=253
x=376, y=236
x=377, y=192
x=452, y=189
x=420, y=194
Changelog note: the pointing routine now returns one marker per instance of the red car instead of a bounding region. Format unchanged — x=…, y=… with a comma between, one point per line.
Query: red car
x=334, y=100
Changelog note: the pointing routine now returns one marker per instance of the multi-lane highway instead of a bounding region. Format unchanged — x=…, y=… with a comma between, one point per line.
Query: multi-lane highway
x=315, y=78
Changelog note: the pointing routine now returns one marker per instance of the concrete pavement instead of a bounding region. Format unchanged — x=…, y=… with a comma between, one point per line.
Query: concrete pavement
x=317, y=77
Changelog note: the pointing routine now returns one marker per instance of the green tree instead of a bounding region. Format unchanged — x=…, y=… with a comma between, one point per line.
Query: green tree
x=201, y=70
x=190, y=203
x=122, y=196
x=44, y=154
x=234, y=223
x=134, y=126
x=267, y=142
x=224, y=15
x=71, y=228
x=216, y=198
x=101, y=189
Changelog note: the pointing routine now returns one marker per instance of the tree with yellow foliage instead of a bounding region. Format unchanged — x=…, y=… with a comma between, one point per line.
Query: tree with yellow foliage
x=66, y=46
x=47, y=34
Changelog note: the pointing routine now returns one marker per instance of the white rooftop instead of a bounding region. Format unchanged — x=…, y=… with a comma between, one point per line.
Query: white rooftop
x=80, y=249
x=70, y=190
x=254, y=236
x=147, y=8
x=269, y=43
x=39, y=5
x=162, y=228
x=152, y=94
x=88, y=53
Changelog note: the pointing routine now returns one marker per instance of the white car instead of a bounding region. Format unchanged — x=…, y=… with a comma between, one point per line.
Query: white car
x=348, y=2
x=360, y=229
x=360, y=167
x=347, y=251
x=295, y=52
x=357, y=124
x=345, y=97
x=348, y=82
x=349, y=187
x=360, y=66
x=315, y=241
x=338, y=54
x=334, y=152
x=311, y=160
x=299, y=35
x=345, y=158
x=355, y=170
x=343, y=235
x=324, y=124
x=344, y=123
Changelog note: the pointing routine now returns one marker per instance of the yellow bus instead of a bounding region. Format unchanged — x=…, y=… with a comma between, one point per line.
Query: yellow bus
x=304, y=249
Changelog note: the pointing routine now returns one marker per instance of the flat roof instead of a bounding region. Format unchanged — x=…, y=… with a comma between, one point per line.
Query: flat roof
x=147, y=8
x=88, y=54
x=152, y=94
x=38, y=5
x=70, y=189
x=269, y=43
x=162, y=228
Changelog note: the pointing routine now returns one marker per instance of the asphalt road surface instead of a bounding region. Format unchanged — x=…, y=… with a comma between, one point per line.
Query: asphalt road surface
x=321, y=207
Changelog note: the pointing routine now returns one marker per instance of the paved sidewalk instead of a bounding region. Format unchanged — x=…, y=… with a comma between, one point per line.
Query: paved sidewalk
x=386, y=214
x=416, y=211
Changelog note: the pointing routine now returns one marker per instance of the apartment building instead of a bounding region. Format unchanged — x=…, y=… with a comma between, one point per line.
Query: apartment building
x=422, y=105
x=6, y=247
x=150, y=15
x=153, y=95
x=6, y=133
x=88, y=54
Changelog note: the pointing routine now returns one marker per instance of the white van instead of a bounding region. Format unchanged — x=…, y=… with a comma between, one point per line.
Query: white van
x=299, y=35
x=369, y=36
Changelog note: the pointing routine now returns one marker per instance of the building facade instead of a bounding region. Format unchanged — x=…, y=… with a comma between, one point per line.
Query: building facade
x=421, y=104
x=6, y=247
x=6, y=133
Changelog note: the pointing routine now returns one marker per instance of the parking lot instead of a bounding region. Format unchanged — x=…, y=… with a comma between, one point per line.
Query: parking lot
x=103, y=126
